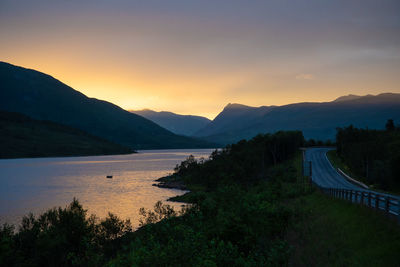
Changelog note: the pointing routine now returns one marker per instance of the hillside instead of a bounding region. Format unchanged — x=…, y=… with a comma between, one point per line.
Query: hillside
x=21, y=137
x=176, y=123
x=316, y=120
x=42, y=97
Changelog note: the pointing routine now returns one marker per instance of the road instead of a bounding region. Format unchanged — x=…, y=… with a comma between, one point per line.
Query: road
x=324, y=175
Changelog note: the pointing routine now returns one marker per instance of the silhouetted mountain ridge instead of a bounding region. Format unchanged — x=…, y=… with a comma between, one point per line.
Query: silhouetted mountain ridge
x=42, y=97
x=176, y=123
x=316, y=120
x=346, y=98
x=227, y=120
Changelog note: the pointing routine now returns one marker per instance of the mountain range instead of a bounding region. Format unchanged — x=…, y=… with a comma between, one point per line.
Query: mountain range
x=42, y=97
x=316, y=120
x=176, y=123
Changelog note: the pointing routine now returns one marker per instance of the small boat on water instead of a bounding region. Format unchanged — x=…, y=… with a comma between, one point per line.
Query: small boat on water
x=109, y=176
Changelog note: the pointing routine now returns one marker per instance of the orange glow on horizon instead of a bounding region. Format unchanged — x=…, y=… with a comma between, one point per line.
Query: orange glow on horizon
x=185, y=96
x=190, y=59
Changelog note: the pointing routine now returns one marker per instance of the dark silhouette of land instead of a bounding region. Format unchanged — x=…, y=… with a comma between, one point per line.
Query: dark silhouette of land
x=23, y=137
x=176, y=123
x=42, y=97
x=316, y=120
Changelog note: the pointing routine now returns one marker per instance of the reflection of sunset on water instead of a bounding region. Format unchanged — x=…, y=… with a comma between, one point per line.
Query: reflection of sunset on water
x=41, y=183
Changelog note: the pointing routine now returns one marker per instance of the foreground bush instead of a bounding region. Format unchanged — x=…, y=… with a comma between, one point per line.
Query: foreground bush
x=61, y=237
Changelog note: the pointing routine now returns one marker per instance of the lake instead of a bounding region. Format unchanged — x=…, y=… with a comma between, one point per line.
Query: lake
x=37, y=184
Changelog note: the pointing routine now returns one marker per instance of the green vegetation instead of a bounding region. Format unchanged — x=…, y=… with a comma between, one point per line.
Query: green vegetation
x=62, y=237
x=329, y=232
x=372, y=155
x=249, y=206
x=21, y=136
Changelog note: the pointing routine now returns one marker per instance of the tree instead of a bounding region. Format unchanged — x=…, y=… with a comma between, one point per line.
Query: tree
x=390, y=125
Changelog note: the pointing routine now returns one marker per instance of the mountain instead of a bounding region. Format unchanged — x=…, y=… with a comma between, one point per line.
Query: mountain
x=22, y=137
x=227, y=120
x=348, y=97
x=316, y=120
x=42, y=97
x=178, y=124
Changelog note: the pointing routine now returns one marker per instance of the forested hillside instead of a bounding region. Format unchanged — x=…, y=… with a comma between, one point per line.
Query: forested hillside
x=21, y=136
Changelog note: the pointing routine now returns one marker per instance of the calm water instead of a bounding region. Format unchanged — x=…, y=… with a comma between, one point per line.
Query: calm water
x=38, y=184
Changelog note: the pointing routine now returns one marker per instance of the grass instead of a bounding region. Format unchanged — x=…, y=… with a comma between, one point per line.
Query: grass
x=330, y=232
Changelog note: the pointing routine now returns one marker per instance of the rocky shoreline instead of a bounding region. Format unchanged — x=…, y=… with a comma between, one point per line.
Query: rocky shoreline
x=171, y=182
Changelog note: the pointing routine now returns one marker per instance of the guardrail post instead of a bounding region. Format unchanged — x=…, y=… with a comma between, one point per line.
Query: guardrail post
x=362, y=197
x=369, y=199
x=377, y=201
x=398, y=210
x=356, y=197
x=387, y=203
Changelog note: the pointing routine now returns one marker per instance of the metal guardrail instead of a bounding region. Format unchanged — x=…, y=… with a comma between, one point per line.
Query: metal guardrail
x=351, y=180
x=389, y=205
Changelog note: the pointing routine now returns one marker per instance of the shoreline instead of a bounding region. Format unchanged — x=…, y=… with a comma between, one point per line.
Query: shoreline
x=170, y=182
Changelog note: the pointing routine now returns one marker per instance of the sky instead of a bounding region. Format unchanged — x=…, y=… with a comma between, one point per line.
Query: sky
x=195, y=57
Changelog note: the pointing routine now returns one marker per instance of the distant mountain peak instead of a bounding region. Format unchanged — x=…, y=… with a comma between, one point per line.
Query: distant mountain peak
x=176, y=123
x=347, y=98
x=236, y=106
x=382, y=97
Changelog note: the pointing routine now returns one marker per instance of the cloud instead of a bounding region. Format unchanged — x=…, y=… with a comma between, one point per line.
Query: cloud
x=305, y=76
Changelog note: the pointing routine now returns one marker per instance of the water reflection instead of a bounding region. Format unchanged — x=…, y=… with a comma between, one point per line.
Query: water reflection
x=38, y=184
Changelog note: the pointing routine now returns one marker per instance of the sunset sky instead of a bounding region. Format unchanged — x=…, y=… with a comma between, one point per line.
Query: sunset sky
x=194, y=57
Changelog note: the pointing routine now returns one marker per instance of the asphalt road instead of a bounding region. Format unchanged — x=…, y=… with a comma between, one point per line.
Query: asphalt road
x=324, y=175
